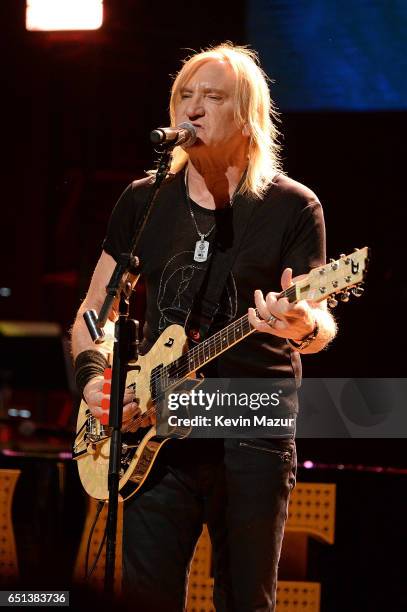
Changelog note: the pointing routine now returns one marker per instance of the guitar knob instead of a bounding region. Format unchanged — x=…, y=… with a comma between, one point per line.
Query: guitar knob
x=332, y=302
x=345, y=296
x=357, y=291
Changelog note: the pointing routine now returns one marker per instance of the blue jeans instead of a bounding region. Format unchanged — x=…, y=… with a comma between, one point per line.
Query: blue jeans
x=241, y=493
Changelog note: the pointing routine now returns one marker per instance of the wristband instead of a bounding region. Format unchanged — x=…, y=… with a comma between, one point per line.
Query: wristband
x=299, y=346
x=88, y=364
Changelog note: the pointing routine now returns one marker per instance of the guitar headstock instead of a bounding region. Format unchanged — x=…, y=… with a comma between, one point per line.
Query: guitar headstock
x=337, y=277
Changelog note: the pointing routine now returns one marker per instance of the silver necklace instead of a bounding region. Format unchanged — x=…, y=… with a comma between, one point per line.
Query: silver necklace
x=201, y=245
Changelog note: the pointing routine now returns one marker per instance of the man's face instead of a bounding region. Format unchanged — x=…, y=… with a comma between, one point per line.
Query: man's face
x=207, y=100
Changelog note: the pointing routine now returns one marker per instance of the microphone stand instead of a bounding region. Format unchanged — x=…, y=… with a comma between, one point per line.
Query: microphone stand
x=120, y=286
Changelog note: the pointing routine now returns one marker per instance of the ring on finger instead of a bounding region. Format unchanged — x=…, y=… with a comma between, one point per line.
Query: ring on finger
x=271, y=320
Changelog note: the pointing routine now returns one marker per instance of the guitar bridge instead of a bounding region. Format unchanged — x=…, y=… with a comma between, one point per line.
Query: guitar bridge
x=95, y=431
x=91, y=434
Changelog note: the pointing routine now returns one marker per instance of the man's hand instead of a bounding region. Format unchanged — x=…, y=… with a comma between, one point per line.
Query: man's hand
x=293, y=321
x=93, y=394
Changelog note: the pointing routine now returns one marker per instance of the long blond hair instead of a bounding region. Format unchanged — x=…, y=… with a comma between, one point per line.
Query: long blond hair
x=254, y=108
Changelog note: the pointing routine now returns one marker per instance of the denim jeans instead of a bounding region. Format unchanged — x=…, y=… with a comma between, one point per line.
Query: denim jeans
x=241, y=493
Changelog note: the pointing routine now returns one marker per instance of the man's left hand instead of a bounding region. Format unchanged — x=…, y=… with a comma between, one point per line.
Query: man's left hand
x=293, y=321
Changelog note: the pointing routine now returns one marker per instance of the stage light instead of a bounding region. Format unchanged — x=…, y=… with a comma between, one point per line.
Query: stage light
x=15, y=412
x=48, y=15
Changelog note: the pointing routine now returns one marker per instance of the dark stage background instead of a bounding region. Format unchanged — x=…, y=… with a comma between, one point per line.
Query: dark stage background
x=77, y=112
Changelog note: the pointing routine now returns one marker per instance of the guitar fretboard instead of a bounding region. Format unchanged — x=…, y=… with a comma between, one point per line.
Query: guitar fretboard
x=212, y=347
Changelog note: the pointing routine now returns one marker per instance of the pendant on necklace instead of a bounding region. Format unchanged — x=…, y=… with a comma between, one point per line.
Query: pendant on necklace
x=201, y=249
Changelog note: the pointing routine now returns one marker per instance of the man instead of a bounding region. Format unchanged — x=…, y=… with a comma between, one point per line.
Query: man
x=240, y=490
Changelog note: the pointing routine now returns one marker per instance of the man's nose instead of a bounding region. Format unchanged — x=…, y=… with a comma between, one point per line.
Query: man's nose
x=195, y=108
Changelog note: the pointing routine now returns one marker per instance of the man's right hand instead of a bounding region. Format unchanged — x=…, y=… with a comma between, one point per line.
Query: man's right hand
x=93, y=394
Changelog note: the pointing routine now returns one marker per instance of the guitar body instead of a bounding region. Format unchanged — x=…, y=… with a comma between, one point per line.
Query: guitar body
x=143, y=445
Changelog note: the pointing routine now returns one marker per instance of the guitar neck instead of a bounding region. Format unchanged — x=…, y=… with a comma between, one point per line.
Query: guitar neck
x=320, y=284
x=212, y=347
x=233, y=333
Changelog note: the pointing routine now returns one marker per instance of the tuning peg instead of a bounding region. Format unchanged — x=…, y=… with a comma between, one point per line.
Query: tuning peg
x=332, y=302
x=334, y=264
x=345, y=295
x=357, y=291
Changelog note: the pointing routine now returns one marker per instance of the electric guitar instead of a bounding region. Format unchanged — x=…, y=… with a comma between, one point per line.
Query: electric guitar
x=170, y=362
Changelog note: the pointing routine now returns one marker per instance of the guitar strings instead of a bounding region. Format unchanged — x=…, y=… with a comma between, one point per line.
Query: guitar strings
x=196, y=356
x=213, y=340
x=152, y=410
x=216, y=341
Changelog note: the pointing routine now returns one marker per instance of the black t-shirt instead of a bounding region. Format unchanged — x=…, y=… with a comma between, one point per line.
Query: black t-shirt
x=286, y=229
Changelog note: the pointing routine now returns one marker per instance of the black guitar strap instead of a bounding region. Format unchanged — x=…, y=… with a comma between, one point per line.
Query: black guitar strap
x=228, y=238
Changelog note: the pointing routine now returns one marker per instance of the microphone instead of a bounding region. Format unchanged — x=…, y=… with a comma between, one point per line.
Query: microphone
x=184, y=134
